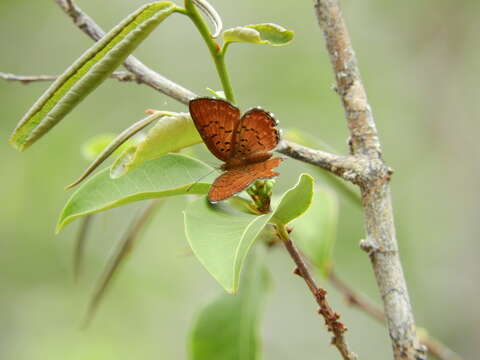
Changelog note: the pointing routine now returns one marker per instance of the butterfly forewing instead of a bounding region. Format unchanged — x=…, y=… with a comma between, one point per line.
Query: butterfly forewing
x=255, y=133
x=216, y=121
x=236, y=180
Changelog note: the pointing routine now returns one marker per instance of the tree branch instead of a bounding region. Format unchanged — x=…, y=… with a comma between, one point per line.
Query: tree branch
x=350, y=168
x=123, y=76
x=353, y=298
x=381, y=243
x=144, y=74
x=331, y=317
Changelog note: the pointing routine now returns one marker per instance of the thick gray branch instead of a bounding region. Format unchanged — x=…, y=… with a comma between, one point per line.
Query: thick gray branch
x=381, y=243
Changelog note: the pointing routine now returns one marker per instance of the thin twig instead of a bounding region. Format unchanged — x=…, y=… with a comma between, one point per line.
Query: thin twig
x=334, y=326
x=350, y=168
x=144, y=75
x=381, y=242
x=355, y=299
x=123, y=76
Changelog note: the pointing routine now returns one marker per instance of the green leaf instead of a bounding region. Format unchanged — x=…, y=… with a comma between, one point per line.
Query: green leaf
x=95, y=145
x=221, y=236
x=227, y=329
x=89, y=71
x=315, y=233
x=170, y=134
x=168, y=175
x=264, y=34
x=116, y=143
x=295, y=201
x=346, y=189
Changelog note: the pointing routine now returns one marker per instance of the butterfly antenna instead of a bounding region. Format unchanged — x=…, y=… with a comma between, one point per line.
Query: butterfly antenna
x=200, y=178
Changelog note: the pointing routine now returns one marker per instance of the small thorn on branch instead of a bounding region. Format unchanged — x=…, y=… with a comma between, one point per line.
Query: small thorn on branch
x=368, y=246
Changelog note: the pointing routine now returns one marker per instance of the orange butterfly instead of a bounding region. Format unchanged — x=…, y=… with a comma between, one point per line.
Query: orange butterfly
x=242, y=143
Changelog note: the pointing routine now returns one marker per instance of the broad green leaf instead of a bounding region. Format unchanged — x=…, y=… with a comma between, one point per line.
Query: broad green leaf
x=242, y=204
x=315, y=232
x=264, y=34
x=221, y=236
x=295, y=201
x=347, y=189
x=170, y=134
x=95, y=145
x=169, y=175
x=228, y=328
x=89, y=71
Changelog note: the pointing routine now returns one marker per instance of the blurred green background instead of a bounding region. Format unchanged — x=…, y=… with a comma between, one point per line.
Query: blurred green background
x=419, y=61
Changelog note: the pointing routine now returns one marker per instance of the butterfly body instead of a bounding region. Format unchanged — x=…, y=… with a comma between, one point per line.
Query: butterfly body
x=244, y=144
x=241, y=161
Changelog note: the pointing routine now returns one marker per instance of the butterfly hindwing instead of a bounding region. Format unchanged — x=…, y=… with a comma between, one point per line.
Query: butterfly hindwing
x=234, y=181
x=216, y=121
x=228, y=184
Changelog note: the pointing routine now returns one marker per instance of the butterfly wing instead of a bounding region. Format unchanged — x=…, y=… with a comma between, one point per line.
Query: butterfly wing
x=236, y=180
x=216, y=121
x=256, y=133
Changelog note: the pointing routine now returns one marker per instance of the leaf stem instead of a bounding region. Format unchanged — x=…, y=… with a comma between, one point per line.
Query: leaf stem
x=213, y=47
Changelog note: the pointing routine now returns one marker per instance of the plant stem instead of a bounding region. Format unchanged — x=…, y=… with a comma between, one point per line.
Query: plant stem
x=213, y=47
x=331, y=317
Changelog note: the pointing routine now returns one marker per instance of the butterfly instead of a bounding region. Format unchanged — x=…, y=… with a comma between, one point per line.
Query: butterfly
x=242, y=143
